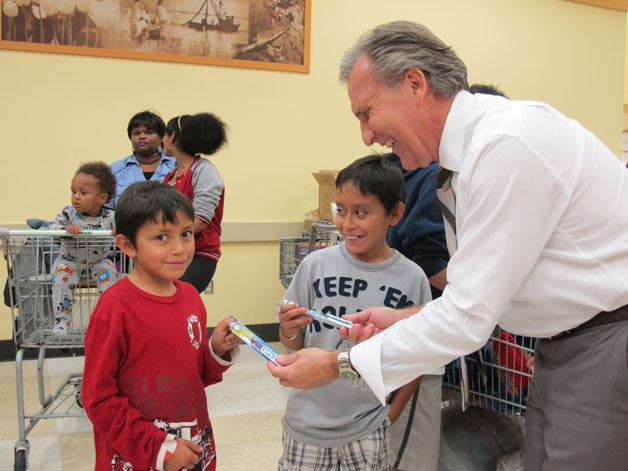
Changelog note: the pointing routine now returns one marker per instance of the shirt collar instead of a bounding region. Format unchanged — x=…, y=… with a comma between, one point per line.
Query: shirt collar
x=450, y=153
x=132, y=160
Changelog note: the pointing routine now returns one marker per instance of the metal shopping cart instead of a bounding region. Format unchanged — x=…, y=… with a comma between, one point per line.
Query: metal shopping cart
x=30, y=255
x=496, y=377
x=293, y=250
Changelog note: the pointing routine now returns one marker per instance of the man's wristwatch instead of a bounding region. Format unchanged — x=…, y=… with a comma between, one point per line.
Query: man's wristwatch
x=344, y=366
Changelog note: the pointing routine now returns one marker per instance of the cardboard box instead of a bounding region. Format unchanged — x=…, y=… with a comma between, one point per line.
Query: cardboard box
x=310, y=218
x=326, y=192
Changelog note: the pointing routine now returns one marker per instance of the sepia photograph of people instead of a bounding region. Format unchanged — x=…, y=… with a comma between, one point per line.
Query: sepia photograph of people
x=270, y=34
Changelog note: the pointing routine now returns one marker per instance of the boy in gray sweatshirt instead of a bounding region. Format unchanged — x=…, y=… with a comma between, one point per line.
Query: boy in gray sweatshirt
x=342, y=425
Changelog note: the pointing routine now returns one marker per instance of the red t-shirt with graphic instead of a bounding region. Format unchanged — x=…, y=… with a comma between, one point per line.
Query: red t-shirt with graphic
x=147, y=363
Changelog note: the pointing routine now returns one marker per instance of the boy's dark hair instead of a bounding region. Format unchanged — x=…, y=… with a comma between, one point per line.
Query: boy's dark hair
x=486, y=89
x=101, y=172
x=202, y=133
x=150, y=120
x=149, y=201
x=373, y=175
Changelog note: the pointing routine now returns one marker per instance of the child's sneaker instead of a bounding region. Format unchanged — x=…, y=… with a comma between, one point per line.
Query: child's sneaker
x=61, y=327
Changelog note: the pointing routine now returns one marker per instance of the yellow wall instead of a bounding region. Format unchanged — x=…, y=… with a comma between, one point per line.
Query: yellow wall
x=59, y=110
x=625, y=122
x=626, y=71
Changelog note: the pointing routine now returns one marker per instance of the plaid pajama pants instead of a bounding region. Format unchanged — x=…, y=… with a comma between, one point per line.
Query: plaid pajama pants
x=368, y=453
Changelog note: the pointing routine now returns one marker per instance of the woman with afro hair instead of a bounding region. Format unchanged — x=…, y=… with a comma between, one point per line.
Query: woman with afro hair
x=187, y=137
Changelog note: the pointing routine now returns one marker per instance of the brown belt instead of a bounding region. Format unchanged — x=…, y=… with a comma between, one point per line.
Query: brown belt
x=604, y=317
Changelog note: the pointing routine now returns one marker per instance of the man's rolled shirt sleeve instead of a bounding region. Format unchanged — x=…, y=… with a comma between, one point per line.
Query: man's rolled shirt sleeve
x=363, y=357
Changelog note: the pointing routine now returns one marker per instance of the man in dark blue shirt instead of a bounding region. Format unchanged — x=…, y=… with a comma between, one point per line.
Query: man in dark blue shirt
x=420, y=234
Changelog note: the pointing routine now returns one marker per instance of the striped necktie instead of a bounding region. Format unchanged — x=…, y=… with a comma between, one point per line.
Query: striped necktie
x=447, y=200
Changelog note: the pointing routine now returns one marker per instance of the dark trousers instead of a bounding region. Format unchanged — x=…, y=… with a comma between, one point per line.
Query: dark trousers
x=200, y=272
x=577, y=415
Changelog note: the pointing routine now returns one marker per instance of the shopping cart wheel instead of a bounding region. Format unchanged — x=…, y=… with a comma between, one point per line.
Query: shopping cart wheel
x=20, y=460
x=79, y=397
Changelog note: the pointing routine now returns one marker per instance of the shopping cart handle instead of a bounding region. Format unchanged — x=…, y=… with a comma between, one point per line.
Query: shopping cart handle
x=4, y=232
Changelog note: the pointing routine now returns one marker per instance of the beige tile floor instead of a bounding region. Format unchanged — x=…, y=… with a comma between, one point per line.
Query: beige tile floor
x=246, y=410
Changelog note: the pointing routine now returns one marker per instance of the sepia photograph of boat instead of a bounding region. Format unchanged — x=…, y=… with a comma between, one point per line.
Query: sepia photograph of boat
x=271, y=34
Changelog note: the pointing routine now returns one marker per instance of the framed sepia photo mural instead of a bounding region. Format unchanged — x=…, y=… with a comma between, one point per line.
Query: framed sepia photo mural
x=262, y=34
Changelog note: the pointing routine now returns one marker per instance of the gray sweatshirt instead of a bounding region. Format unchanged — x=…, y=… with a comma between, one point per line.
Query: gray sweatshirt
x=333, y=281
x=86, y=251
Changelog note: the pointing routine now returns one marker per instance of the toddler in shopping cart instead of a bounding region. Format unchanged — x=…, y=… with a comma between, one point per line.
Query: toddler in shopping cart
x=92, y=186
x=147, y=355
x=343, y=425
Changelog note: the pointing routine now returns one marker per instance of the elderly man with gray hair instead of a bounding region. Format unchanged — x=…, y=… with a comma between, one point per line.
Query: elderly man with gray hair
x=536, y=218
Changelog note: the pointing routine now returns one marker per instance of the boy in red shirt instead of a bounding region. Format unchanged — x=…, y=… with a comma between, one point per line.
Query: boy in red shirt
x=147, y=355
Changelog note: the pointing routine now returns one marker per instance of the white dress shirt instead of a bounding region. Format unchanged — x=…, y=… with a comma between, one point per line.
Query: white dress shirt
x=542, y=229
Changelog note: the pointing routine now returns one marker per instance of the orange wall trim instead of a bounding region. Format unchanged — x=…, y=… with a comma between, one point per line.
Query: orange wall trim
x=614, y=4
